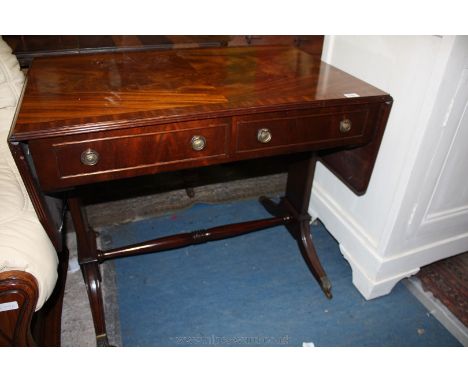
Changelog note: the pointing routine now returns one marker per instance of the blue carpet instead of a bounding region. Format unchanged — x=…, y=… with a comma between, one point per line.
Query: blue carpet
x=253, y=290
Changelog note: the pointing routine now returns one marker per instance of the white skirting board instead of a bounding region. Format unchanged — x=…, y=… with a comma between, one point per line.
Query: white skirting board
x=375, y=274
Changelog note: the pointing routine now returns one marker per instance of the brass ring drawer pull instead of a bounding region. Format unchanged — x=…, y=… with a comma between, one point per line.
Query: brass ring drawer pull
x=345, y=125
x=263, y=135
x=89, y=157
x=198, y=142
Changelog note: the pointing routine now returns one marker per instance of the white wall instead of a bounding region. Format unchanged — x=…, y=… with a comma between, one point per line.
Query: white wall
x=419, y=72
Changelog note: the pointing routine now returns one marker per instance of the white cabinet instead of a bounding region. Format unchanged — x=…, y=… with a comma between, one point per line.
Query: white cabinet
x=415, y=210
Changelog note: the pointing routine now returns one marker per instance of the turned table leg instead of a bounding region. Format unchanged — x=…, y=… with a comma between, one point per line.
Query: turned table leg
x=296, y=204
x=88, y=260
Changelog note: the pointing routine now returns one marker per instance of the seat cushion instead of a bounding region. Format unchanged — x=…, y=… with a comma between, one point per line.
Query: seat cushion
x=24, y=244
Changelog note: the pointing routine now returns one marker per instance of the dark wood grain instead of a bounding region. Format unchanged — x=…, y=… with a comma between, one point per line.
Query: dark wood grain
x=138, y=113
x=110, y=102
x=152, y=149
x=88, y=260
x=52, y=223
x=138, y=151
x=69, y=95
x=354, y=166
x=24, y=326
x=197, y=237
x=46, y=325
x=133, y=94
x=295, y=204
x=310, y=44
x=313, y=128
x=15, y=325
x=27, y=48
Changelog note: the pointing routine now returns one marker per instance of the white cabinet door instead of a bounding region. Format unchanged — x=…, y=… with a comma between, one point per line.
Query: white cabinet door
x=436, y=209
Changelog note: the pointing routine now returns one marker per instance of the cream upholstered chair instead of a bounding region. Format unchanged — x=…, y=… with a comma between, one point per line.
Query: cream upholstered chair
x=28, y=260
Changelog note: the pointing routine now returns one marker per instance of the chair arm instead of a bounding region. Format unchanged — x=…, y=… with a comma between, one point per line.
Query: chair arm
x=18, y=299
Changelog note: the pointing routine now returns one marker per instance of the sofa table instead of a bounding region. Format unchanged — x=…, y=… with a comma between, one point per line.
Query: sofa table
x=101, y=117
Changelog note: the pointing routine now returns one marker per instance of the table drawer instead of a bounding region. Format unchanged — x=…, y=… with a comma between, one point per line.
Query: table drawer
x=314, y=129
x=100, y=156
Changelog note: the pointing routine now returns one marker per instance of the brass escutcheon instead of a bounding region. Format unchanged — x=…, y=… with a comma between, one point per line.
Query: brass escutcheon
x=264, y=135
x=345, y=125
x=89, y=157
x=198, y=142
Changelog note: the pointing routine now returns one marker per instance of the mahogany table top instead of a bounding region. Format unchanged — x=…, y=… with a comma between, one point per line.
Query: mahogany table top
x=74, y=94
